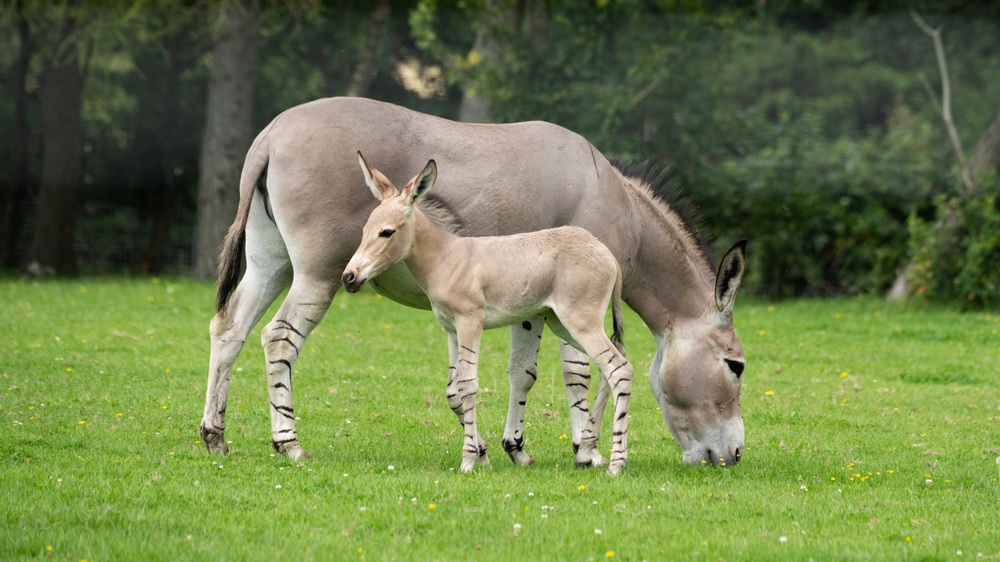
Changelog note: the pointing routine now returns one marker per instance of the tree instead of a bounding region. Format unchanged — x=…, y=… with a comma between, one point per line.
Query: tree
x=21, y=182
x=61, y=96
x=228, y=127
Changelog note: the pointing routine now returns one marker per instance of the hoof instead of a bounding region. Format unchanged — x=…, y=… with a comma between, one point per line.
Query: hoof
x=297, y=454
x=215, y=441
x=615, y=467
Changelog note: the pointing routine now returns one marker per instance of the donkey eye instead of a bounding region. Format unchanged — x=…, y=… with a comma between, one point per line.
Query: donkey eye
x=736, y=367
x=386, y=233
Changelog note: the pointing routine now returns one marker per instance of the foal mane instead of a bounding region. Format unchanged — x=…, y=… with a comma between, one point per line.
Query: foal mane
x=657, y=182
x=440, y=214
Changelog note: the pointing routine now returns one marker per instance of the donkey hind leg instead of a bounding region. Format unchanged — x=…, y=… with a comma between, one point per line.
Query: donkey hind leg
x=522, y=372
x=576, y=376
x=283, y=338
x=228, y=333
x=463, y=384
x=266, y=276
x=618, y=372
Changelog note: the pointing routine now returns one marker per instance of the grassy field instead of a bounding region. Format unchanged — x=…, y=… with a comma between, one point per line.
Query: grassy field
x=872, y=434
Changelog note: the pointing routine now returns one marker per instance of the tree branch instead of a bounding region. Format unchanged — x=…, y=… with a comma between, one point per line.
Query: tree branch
x=945, y=107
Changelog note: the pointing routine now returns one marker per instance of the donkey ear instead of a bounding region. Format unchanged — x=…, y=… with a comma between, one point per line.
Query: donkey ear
x=378, y=183
x=419, y=186
x=727, y=279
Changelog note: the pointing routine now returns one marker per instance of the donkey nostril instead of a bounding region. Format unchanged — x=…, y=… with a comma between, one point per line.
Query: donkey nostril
x=737, y=454
x=348, y=278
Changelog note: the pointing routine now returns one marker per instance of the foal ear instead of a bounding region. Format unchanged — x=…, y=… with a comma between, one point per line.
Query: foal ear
x=420, y=185
x=727, y=279
x=380, y=185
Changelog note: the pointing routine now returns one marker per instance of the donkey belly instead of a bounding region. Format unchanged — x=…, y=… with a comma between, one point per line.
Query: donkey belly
x=398, y=284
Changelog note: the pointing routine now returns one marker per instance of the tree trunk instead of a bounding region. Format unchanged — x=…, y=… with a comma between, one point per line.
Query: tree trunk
x=20, y=178
x=62, y=167
x=364, y=72
x=228, y=129
x=986, y=154
x=488, y=47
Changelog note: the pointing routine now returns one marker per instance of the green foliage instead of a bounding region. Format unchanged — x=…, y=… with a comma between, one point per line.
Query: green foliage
x=864, y=426
x=955, y=253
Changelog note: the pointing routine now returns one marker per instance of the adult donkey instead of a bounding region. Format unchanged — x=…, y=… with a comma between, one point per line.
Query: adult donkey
x=301, y=215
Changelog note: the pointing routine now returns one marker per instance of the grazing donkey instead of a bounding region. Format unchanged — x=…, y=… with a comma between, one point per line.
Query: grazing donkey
x=477, y=283
x=299, y=221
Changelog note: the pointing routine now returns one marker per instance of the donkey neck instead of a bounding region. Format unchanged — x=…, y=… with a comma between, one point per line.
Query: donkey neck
x=671, y=278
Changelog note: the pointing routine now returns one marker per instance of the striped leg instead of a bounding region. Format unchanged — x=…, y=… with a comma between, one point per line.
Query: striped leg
x=618, y=372
x=463, y=384
x=522, y=372
x=268, y=272
x=576, y=376
x=283, y=338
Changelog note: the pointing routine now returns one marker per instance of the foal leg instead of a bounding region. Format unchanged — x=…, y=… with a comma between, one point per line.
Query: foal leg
x=618, y=372
x=283, y=338
x=463, y=384
x=576, y=375
x=522, y=372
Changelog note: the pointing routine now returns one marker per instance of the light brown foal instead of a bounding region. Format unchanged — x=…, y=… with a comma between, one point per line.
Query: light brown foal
x=564, y=274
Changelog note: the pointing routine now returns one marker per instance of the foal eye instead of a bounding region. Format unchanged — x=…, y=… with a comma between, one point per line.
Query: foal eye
x=736, y=367
x=386, y=233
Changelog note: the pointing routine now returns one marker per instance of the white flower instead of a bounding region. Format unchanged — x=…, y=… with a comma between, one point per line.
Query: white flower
x=597, y=531
x=392, y=467
x=783, y=540
x=277, y=487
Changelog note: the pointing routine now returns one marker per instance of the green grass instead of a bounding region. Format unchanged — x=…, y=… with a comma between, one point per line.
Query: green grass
x=872, y=434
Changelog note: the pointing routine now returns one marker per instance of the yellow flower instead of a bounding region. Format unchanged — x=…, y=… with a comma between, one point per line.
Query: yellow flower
x=563, y=436
x=69, y=369
x=762, y=332
x=609, y=554
x=769, y=393
x=581, y=487
x=431, y=506
x=48, y=548
x=907, y=539
x=81, y=422
x=843, y=373
x=360, y=550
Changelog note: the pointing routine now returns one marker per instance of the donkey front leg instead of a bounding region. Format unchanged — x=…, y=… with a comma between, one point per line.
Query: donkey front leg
x=522, y=372
x=463, y=384
x=283, y=339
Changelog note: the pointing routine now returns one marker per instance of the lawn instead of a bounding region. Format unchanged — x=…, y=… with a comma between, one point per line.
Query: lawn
x=872, y=434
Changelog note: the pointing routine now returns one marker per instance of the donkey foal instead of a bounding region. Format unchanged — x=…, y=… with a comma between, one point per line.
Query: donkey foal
x=477, y=283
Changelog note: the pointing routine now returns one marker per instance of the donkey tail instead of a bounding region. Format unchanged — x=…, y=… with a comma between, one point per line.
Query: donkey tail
x=254, y=176
x=618, y=327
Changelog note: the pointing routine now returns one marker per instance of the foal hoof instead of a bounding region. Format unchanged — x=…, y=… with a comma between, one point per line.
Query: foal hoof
x=615, y=467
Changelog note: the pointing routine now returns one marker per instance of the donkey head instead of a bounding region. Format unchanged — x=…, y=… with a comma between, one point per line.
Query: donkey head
x=697, y=374
x=388, y=234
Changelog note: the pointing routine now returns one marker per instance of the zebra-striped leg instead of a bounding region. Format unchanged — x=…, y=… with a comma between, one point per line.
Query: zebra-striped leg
x=283, y=339
x=229, y=329
x=463, y=384
x=576, y=376
x=618, y=372
x=587, y=454
x=522, y=372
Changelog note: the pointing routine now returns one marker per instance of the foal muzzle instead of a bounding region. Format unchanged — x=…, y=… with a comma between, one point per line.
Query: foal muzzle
x=352, y=283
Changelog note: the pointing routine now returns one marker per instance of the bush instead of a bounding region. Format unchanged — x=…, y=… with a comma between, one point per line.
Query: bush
x=955, y=253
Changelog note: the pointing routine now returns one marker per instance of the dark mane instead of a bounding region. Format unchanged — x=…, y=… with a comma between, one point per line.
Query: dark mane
x=440, y=214
x=659, y=180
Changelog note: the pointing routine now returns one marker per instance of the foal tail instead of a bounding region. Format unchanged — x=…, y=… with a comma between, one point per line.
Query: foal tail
x=618, y=327
x=254, y=176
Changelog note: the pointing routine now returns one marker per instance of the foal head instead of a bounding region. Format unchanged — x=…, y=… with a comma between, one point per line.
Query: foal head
x=388, y=235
